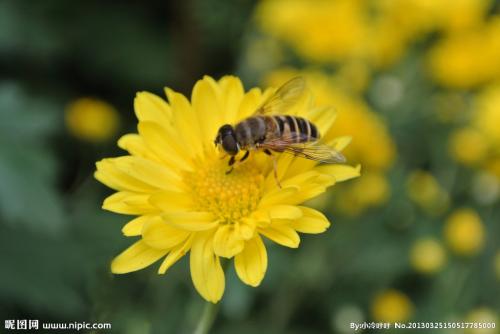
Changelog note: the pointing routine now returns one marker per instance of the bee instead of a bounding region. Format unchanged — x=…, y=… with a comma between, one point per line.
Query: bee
x=270, y=130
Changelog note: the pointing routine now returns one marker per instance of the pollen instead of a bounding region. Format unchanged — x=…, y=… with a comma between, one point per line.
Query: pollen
x=229, y=196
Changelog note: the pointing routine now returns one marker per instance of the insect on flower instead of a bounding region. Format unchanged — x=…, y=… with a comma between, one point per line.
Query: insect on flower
x=184, y=202
x=269, y=129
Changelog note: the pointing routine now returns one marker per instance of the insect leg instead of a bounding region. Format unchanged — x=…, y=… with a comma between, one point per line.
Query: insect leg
x=247, y=153
x=231, y=162
x=275, y=166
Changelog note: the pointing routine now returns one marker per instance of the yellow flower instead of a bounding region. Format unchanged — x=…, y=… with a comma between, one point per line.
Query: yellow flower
x=464, y=232
x=493, y=167
x=326, y=31
x=448, y=15
x=482, y=315
x=427, y=193
x=467, y=59
x=369, y=191
x=468, y=146
x=92, y=119
x=391, y=306
x=487, y=114
x=427, y=255
x=478, y=144
x=175, y=181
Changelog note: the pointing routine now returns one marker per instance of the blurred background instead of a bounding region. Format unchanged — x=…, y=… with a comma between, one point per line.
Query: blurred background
x=416, y=83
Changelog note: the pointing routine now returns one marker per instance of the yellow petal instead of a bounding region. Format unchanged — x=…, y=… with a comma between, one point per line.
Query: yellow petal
x=340, y=172
x=312, y=190
x=186, y=121
x=134, y=227
x=164, y=146
x=278, y=196
x=281, y=234
x=148, y=172
x=129, y=203
x=227, y=241
x=109, y=174
x=340, y=143
x=249, y=104
x=284, y=161
x=260, y=216
x=134, y=144
x=136, y=257
x=149, y=107
x=206, y=271
x=158, y=234
x=232, y=94
x=284, y=212
x=170, y=201
x=301, y=180
x=298, y=167
x=323, y=118
x=251, y=263
x=312, y=221
x=175, y=254
x=246, y=228
x=191, y=221
x=207, y=110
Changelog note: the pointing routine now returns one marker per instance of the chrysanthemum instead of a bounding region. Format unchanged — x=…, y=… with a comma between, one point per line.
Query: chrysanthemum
x=174, y=180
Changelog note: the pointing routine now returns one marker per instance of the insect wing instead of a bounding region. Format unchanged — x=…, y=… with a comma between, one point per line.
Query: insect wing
x=284, y=98
x=308, y=150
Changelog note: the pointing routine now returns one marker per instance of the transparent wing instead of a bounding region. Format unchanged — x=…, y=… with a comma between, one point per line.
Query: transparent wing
x=308, y=150
x=284, y=98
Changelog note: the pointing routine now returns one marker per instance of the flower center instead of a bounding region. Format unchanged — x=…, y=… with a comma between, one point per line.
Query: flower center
x=228, y=196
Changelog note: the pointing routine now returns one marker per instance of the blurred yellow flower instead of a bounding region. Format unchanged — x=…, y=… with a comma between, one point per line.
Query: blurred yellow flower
x=326, y=31
x=92, y=119
x=376, y=32
x=175, y=181
x=427, y=193
x=391, y=306
x=427, y=255
x=467, y=59
x=371, y=190
x=458, y=15
x=485, y=187
x=493, y=167
x=482, y=315
x=478, y=144
x=448, y=15
x=464, y=232
x=486, y=115
x=468, y=146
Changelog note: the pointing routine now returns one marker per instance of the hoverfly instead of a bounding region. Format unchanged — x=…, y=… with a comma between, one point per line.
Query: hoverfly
x=270, y=130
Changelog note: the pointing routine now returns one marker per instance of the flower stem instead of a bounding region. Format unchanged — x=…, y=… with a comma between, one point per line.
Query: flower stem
x=210, y=310
x=207, y=318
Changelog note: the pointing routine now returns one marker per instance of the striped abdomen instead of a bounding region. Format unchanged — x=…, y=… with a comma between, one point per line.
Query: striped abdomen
x=257, y=129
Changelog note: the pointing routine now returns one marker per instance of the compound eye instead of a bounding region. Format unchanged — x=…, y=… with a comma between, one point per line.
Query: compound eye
x=230, y=145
